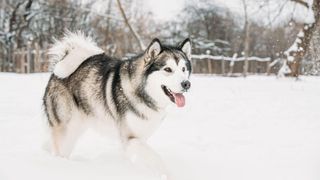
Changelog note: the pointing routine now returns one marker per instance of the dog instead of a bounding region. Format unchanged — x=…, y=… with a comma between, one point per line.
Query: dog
x=131, y=95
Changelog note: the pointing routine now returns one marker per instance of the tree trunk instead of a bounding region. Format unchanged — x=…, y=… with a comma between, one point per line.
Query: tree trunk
x=134, y=33
x=246, y=50
x=246, y=39
x=300, y=46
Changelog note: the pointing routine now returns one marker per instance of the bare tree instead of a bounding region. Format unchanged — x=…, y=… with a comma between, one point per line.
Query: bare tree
x=134, y=33
x=302, y=43
x=19, y=18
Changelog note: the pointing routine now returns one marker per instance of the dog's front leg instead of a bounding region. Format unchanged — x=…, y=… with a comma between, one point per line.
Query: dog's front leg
x=142, y=154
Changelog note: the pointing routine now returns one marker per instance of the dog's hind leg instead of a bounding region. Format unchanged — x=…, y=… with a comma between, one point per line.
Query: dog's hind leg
x=142, y=154
x=65, y=136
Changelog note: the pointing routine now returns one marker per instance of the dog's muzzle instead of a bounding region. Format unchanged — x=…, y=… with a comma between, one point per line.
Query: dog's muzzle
x=186, y=85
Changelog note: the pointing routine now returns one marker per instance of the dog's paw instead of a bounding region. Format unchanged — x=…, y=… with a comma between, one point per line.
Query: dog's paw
x=164, y=177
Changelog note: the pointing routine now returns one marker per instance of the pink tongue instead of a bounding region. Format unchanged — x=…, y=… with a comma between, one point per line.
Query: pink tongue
x=179, y=99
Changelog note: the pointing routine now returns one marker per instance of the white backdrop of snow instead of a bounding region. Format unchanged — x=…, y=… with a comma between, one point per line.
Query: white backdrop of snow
x=231, y=129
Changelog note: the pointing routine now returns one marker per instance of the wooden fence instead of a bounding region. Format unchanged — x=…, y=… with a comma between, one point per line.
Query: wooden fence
x=30, y=60
x=208, y=64
x=33, y=59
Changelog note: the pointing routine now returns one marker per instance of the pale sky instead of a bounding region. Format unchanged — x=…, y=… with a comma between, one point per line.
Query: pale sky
x=165, y=9
x=168, y=9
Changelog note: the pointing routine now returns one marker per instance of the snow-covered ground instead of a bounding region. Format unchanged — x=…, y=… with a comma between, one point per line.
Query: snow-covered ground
x=258, y=128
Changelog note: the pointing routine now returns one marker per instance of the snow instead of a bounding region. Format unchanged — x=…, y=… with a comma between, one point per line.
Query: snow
x=276, y=61
x=301, y=34
x=231, y=129
x=290, y=58
x=295, y=46
x=234, y=57
x=285, y=69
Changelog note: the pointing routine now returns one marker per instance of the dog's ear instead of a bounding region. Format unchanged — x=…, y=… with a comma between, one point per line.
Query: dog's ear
x=153, y=49
x=185, y=46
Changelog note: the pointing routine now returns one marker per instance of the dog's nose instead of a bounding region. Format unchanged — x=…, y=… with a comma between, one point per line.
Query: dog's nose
x=186, y=84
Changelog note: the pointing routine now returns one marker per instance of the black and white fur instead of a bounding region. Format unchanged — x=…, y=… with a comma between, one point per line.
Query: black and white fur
x=129, y=96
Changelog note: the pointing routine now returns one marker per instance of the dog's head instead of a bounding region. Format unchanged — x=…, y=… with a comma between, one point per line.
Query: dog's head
x=168, y=69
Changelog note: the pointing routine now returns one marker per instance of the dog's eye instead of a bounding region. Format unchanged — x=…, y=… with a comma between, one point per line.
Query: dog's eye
x=167, y=69
x=183, y=69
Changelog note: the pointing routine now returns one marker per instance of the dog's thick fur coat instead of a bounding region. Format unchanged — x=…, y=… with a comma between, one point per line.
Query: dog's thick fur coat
x=87, y=87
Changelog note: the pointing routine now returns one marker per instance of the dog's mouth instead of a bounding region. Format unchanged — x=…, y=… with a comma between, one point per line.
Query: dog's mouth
x=177, y=98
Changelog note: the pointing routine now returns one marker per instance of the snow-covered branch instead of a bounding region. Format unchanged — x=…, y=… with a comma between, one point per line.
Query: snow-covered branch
x=298, y=49
x=301, y=2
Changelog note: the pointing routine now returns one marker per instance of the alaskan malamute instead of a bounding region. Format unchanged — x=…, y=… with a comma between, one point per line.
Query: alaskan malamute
x=130, y=95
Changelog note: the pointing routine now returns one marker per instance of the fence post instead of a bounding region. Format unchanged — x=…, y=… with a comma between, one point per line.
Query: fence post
x=37, y=58
x=45, y=58
x=268, y=68
x=28, y=51
x=209, y=66
x=222, y=66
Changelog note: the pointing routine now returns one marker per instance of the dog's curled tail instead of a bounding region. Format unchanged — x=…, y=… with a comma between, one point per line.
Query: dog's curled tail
x=67, y=54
